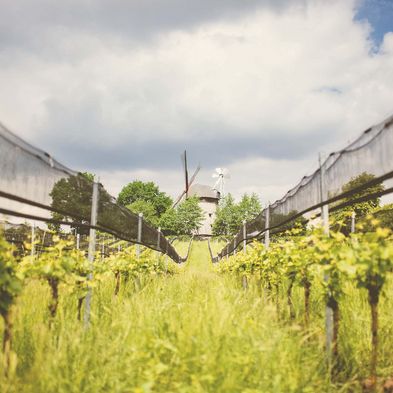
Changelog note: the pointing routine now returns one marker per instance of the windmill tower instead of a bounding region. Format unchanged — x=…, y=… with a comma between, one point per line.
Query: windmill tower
x=221, y=174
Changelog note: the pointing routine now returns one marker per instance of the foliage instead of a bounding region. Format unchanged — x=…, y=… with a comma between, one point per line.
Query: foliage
x=73, y=195
x=10, y=278
x=189, y=216
x=128, y=265
x=145, y=191
x=230, y=215
x=297, y=224
x=342, y=218
x=58, y=265
x=169, y=222
x=148, y=210
x=185, y=219
x=227, y=217
x=57, y=262
x=249, y=207
x=328, y=263
x=373, y=255
x=384, y=215
x=200, y=331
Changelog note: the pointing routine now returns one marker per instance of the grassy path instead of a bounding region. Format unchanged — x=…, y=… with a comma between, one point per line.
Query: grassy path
x=194, y=332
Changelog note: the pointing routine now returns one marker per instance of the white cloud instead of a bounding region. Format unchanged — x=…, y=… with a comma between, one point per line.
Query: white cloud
x=303, y=73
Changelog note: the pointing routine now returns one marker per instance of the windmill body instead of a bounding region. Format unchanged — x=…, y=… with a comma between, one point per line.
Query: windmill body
x=208, y=196
x=208, y=201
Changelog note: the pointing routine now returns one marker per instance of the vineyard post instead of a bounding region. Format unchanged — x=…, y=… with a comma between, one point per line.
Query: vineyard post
x=43, y=241
x=78, y=239
x=166, y=258
x=325, y=221
x=158, y=242
x=267, y=224
x=245, y=236
x=323, y=195
x=92, y=248
x=138, y=246
x=33, y=239
x=353, y=217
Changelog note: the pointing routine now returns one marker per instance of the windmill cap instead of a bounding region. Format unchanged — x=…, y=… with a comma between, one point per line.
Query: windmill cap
x=203, y=191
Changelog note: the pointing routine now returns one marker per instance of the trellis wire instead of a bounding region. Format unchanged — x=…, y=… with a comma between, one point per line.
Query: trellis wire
x=370, y=153
x=35, y=186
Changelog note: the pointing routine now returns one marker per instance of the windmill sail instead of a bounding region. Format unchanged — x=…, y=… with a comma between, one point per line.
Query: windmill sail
x=188, y=182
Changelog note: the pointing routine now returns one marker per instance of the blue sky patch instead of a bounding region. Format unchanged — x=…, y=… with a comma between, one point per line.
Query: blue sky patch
x=379, y=14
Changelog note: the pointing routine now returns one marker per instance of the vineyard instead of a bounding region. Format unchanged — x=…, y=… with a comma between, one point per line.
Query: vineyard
x=254, y=323
x=97, y=298
x=304, y=276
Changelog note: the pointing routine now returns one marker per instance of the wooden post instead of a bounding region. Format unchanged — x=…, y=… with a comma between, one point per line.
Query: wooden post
x=325, y=223
x=32, y=239
x=92, y=249
x=138, y=246
x=158, y=243
x=245, y=236
x=353, y=221
x=267, y=225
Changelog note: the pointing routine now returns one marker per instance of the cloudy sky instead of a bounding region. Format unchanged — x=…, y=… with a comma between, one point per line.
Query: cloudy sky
x=121, y=87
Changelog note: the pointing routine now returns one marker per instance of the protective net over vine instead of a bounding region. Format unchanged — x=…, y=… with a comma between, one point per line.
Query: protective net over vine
x=33, y=185
x=369, y=155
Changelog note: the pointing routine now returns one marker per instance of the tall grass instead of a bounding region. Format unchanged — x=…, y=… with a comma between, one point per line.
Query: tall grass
x=195, y=332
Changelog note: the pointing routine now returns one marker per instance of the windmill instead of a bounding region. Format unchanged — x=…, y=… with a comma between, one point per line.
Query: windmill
x=188, y=181
x=221, y=175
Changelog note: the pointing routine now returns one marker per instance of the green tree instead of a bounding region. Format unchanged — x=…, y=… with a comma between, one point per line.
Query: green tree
x=189, y=216
x=363, y=208
x=145, y=191
x=249, y=207
x=342, y=218
x=73, y=195
x=148, y=210
x=230, y=215
x=384, y=215
x=186, y=219
x=168, y=222
x=227, y=217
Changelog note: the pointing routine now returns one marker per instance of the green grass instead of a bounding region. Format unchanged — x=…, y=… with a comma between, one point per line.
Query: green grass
x=194, y=332
x=181, y=247
x=216, y=245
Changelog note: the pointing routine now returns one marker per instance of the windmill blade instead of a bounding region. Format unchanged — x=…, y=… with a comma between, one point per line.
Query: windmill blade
x=219, y=170
x=185, y=168
x=194, y=175
x=215, y=175
x=183, y=159
x=179, y=198
x=192, y=179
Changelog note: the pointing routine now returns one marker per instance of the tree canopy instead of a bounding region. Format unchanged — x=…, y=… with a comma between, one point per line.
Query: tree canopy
x=73, y=195
x=230, y=215
x=185, y=219
x=361, y=209
x=147, y=209
x=148, y=192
